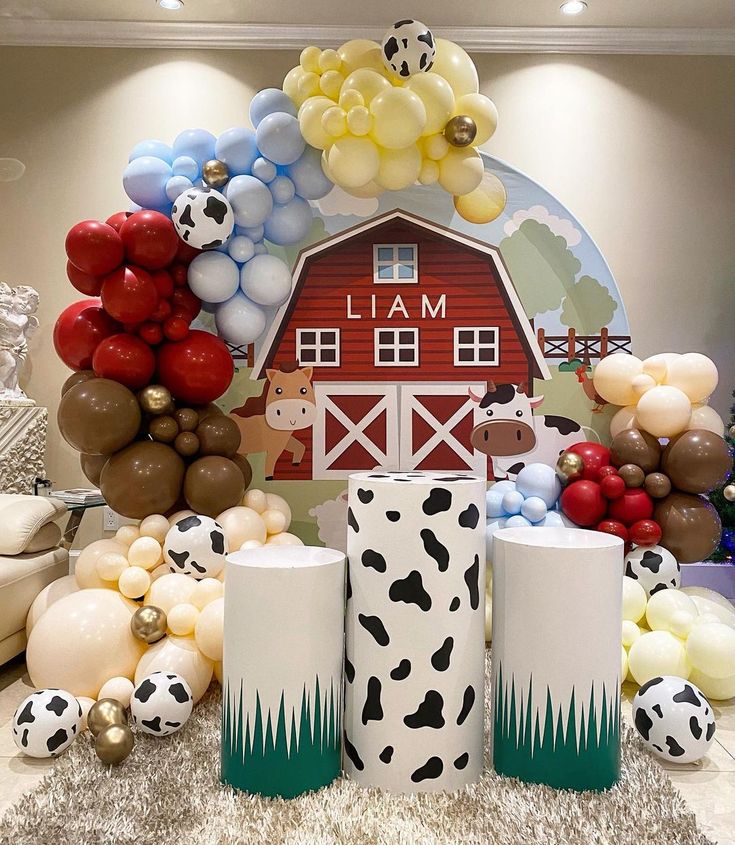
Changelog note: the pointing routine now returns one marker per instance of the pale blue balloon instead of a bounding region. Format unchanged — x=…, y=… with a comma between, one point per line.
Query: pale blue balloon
x=241, y=249
x=176, y=186
x=268, y=101
x=250, y=199
x=152, y=147
x=553, y=519
x=213, y=276
x=239, y=321
x=255, y=233
x=266, y=279
x=265, y=170
x=283, y=190
x=308, y=177
x=186, y=166
x=512, y=502
x=494, y=503
x=539, y=480
x=534, y=509
x=290, y=223
x=279, y=138
x=237, y=148
x=261, y=249
x=195, y=143
x=145, y=179
x=503, y=486
x=517, y=521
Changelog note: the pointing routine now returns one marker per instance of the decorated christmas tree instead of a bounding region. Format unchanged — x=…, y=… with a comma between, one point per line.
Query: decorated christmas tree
x=723, y=498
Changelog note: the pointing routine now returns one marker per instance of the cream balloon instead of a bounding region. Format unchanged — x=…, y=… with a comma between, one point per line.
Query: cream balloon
x=145, y=552
x=218, y=671
x=485, y=203
x=634, y=599
x=50, y=594
x=664, y=411
x=456, y=67
x=155, y=526
x=429, y=173
x=694, y=374
x=663, y=605
x=284, y=539
x=613, y=378
x=361, y=53
x=435, y=147
x=624, y=419
x=483, y=111
x=210, y=628
x=642, y=383
x=399, y=168
x=174, y=518
x=86, y=704
x=241, y=524
x=369, y=190
x=399, y=118
x=461, y=170
x=251, y=544
x=161, y=570
x=704, y=417
x=170, y=590
x=182, y=618
x=179, y=655
x=657, y=365
x=438, y=98
x=629, y=633
x=712, y=603
x=488, y=620
x=275, y=521
x=711, y=649
x=623, y=664
x=368, y=82
x=119, y=688
x=718, y=689
x=256, y=500
x=310, y=122
x=134, y=582
x=657, y=653
x=111, y=565
x=207, y=590
x=353, y=161
x=82, y=640
x=275, y=502
x=126, y=534
x=86, y=566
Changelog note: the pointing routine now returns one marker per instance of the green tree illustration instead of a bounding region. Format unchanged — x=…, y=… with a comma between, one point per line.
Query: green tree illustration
x=588, y=306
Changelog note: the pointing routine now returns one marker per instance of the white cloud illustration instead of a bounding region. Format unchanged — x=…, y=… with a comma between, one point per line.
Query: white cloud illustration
x=558, y=225
x=338, y=201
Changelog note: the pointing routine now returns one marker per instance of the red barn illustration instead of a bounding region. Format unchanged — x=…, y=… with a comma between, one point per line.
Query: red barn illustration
x=396, y=319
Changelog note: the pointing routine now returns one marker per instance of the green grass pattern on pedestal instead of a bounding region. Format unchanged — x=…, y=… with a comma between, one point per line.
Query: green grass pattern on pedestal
x=571, y=757
x=273, y=767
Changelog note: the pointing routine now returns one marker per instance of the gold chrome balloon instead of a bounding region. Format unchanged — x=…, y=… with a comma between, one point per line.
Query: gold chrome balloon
x=215, y=173
x=460, y=131
x=155, y=399
x=114, y=743
x=569, y=467
x=729, y=492
x=104, y=713
x=148, y=624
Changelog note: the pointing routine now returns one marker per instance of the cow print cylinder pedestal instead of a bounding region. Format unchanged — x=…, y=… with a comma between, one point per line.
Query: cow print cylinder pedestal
x=414, y=667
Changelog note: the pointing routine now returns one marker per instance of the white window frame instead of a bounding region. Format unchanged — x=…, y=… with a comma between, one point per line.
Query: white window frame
x=395, y=345
x=318, y=347
x=476, y=345
x=394, y=262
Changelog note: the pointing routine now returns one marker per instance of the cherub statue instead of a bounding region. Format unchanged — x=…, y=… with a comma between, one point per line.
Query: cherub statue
x=18, y=307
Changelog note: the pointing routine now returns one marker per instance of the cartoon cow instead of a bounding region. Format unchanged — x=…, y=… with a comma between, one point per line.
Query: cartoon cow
x=267, y=422
x=507, y=430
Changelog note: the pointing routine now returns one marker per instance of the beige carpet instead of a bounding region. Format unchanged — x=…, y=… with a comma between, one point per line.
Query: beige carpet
x=168, y=792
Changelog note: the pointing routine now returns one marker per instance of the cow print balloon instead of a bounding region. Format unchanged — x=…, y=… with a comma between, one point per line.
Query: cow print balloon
x=674, y=719
x=654, y=567
x=161, y=703
x=46, y=723
x=408, y=47
x=203, y=218
x=196, y=546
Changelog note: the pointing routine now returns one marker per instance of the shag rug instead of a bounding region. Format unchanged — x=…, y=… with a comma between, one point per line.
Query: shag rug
x=168, y=792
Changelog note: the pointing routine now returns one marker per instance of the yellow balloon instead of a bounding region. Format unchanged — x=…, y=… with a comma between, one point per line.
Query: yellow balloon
x=714, y=688
x=711, y=649
x=658, y=365
x=275, y=521
x=461, y=170
x=429, y=173
x=436, y=147
x=657, y=653
x=367, y=82
x=209, y=630
x=353, y=161
x=309, y=59
x=613, y=378
x=127, y=533
x=399, y=118
x=713, y=604
x=665, y=609
x=629, y=633
x=334, y=122
x=330, y=83
x=350, y=99
x=361, y=53
x=329, y=60
x=438, y=98
x=275, y=502
x=482, y=110
x=179, y=655
x=310, y=122
x=207, y=590
x=369, y=190
x=456, y=67
x=119, y=688
x=634, y=600
x=309, y=85
x=359, y=120
x=291, y=84
x=485, y=203
x=284, y=539
x=399, y=168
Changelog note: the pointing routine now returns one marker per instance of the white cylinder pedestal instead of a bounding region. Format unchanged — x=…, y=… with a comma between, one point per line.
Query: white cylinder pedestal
x=415, y=645
x=282, y=669
x=557, y=596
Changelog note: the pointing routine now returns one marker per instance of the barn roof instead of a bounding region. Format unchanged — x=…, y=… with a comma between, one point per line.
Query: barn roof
x=275, y=332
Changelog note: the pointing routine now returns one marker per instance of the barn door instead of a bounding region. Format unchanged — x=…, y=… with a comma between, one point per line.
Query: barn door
x=356, y=428
x=436, y=424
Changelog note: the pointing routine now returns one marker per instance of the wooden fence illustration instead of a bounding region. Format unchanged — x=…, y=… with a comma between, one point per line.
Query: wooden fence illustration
x=584, y=347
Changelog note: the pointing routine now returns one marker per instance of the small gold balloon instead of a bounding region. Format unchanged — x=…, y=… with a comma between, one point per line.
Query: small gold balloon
x=103, y=713
x=155, y=399
x=460, y=131
x=215, y=173
x=569, y=467
x=731, y=431
x=114, y=743
x=148, y=624
x=729, y=492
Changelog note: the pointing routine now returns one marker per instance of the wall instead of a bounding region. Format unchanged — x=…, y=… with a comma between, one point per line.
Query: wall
x=639, y=148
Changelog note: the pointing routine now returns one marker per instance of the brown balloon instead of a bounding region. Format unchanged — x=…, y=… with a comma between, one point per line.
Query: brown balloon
x=657, y=485
x=92, y=466
x=213, y=484
x=187, y=418
x=187, y=443
x=697, y=461
x=143, y=479
x=690, y=526
x=632, y=475
x=76, y=378
x=632, y=446
x=218, y=435
x=209, y=410
x=245, y=468
x=164, y=429
x=98, y=416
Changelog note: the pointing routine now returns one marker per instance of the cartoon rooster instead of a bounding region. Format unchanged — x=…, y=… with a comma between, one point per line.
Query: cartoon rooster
x=589, y=388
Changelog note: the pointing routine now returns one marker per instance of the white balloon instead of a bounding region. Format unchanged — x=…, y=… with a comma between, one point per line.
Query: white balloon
x=664, y=411
x=266, y=280
x=46, y=723
x=161, y=703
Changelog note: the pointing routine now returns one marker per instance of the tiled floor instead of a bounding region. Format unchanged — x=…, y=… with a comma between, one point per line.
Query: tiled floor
x=708, y=787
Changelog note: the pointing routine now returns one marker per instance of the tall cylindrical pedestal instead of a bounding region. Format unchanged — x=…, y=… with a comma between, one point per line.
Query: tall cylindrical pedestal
x=557, y=595
x=282, y=669
x=415, y=640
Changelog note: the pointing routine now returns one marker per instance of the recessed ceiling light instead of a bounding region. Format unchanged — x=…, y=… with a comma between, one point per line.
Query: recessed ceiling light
x=171, y=5
x=571, y=7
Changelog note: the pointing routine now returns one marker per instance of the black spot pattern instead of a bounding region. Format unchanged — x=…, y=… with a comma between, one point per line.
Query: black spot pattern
x=410, y=590
x=26, y=715
x=695, y=727
x=351, y=521
x=451, y=478
x=375, y=627
x=710, y=731
x=390, y=48
x=178, y=691
x=658, y=711
x=440, y=658
x=431, y=770
x=373, y=560
x=349, y=583
x=454, y=604
x=657, y=589
x=562, y=424
x=349, y=671
x=57, y=740
x=652, y=561
x=186, y=219
x=179, y=558
x=468, y=699
x=24, y=738
x=386, y=755
x=212, y=244
x=462, y=761
x=438, y=501
x=428, y=714
x=402, y=671
x=57, y=705
x=675, y=750
x=435, y=549
x=372, y=710
x=153, y=724
x=688, y=696
x=196, y=566
x=393, y=516
x=145, y=690
x=643, y=723
x=649, y=684
x=472, y=579
x=470, y=517
x=187, y=523
x=351, y=752
x=215, y=209
x=218, y=542
x=365, y=496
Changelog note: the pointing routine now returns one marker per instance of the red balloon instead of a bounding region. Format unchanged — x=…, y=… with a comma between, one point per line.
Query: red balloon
x=612, y=526
x=635, y=504
x=645, y=532
x=79, y=330
x=150, y=239
x=594, y=455
x=179, y=274
x=117, y=219
x=163, y=310
x=185, y=253
x=94, y=247
x=583, y=503
x=151, y=333
x=164, y=283
x=124, y=358
x=197, y=369
x=176, y=328
x=83, y=282
x=186, y=303
x=612, y=486
x=604, y=471
x=129, y=295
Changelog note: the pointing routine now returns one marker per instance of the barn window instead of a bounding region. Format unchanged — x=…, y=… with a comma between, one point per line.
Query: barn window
x=395, y=264
x=318, y=347
x=476, y=346
x=396, y=347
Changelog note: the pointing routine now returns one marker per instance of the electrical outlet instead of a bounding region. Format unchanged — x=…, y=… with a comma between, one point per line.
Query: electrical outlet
x=110, y=520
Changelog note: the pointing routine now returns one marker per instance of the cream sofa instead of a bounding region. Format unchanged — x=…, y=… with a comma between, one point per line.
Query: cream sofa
x=30, y=559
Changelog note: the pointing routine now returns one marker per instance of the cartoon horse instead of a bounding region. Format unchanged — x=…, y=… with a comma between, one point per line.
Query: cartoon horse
x=266, y=422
